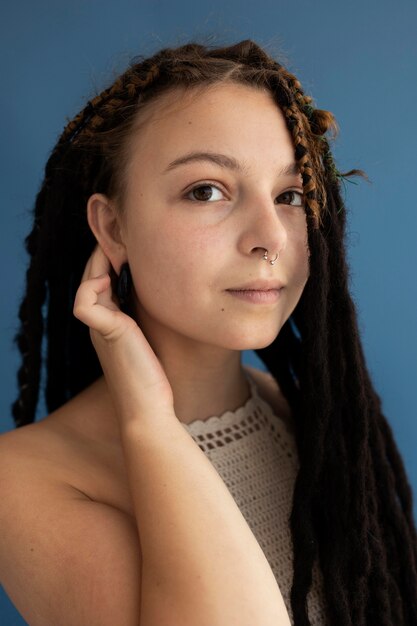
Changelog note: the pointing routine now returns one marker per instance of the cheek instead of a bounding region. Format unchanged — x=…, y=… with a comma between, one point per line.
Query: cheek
x=302, y=252
x=296, y=266
x=173, y=265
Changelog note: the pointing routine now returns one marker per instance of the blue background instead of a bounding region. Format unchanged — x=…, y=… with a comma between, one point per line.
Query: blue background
x=357, y=59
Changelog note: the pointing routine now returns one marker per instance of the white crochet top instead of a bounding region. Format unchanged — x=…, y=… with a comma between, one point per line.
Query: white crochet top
x=255, y=454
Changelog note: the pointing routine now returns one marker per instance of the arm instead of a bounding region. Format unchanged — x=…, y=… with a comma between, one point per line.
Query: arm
x=201, y=563
x=65, y=560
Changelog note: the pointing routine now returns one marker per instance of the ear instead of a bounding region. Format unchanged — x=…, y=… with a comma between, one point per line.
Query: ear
x=105, y=222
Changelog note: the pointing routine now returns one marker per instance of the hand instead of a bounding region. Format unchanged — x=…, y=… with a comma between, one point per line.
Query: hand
x=135, y=377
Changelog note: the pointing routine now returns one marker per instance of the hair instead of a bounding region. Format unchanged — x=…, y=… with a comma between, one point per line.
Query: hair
x=352, y=502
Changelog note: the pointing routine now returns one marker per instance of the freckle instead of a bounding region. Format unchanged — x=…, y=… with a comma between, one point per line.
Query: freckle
x=222, y=309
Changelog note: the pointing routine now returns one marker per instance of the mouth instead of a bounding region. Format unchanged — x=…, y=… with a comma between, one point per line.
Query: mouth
x=259, y=285
x=257, y=296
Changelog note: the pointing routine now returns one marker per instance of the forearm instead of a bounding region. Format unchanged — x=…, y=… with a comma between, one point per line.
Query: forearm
x=200, y=557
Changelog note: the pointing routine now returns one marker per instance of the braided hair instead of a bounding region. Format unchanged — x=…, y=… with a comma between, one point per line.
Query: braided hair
x=352, y=503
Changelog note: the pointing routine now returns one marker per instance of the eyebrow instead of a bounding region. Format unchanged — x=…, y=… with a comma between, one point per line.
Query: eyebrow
x=228, y=162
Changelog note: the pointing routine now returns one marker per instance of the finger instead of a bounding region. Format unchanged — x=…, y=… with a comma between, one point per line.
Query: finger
x=89, y=310
x=97, y=264
x=100, y=263
x=87, y=274
x=87, y=270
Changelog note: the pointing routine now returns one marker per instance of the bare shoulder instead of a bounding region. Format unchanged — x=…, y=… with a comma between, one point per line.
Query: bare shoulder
x=270, y=391
x=61, y=550
x=75, y=446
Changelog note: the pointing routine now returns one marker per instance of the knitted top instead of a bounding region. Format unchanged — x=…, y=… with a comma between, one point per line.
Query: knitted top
x=255, y=454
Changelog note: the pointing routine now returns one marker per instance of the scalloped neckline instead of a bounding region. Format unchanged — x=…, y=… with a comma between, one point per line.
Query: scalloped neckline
x=250, y=404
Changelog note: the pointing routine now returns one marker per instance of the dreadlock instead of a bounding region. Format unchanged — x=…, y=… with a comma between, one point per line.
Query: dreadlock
x=352, y=504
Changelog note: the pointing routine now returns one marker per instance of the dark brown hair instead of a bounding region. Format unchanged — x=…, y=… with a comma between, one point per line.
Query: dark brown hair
x=352, y=506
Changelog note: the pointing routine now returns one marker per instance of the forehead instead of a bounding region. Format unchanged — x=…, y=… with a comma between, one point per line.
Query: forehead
x=199, y=104
x=187, y=100
x=232, y=117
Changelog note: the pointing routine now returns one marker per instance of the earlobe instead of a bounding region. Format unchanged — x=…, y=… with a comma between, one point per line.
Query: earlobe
x=103, y=221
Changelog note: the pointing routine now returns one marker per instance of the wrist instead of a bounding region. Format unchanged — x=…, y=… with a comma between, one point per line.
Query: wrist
x=146, y=423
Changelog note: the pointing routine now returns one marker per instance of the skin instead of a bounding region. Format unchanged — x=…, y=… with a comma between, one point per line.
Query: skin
x=108, y=457
x=184, y=253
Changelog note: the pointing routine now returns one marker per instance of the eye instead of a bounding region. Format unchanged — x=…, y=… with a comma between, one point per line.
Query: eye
x=204, y=195
x=292, y=193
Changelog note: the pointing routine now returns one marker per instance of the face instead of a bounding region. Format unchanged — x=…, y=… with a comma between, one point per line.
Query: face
x=197, y=229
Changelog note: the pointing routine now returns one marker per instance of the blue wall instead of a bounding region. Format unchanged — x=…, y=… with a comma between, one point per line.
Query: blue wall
x=357, y=59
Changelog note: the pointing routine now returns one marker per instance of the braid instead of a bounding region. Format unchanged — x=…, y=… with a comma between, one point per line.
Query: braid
x=303, y=159
x=29, y=337
x=352, y=503
x=348, y=425
x=89, y=121
x=350, y=470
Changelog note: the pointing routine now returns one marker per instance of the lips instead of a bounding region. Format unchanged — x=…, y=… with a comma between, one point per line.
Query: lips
x=258, y=285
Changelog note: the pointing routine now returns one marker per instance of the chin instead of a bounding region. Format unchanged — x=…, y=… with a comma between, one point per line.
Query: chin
x=253, y=339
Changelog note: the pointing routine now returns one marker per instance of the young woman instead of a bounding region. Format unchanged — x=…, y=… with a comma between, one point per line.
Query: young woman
x=190, y=211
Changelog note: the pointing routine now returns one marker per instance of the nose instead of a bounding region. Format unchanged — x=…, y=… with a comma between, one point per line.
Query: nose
x=264, y=230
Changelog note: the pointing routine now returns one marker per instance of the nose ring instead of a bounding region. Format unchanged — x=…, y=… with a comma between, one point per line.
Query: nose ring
x=265, y=256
